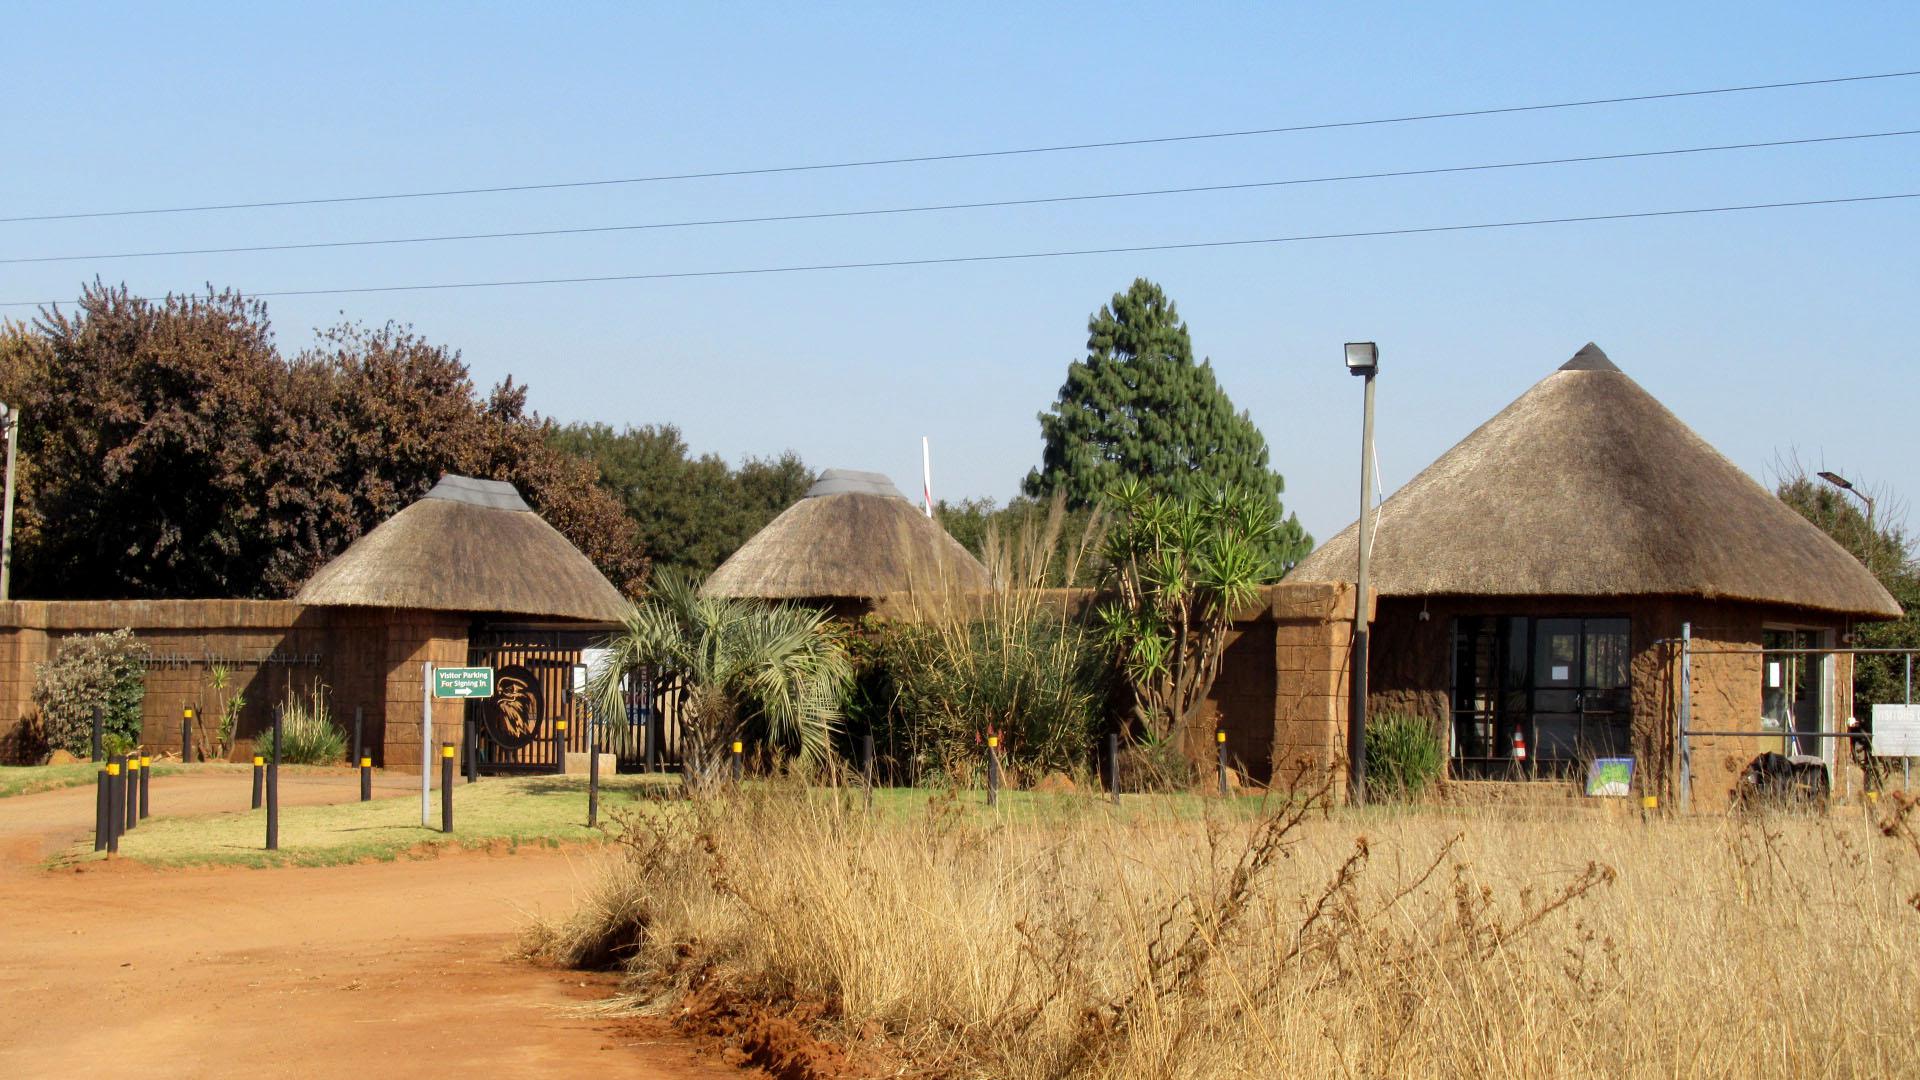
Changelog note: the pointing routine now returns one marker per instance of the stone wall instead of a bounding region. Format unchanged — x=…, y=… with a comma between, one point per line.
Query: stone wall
x=368, y=659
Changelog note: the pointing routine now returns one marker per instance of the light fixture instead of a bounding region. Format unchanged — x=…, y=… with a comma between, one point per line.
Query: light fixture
x=1836, y=480
x=1363, y=358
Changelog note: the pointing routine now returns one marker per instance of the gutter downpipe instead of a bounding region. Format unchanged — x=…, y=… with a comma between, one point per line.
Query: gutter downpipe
x=1686, y=715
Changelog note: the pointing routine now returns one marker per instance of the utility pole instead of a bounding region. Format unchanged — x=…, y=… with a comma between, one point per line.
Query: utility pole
x=1363, y=359
x=10, y=420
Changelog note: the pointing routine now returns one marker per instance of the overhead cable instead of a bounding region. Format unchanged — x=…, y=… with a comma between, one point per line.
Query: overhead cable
x=922, y=159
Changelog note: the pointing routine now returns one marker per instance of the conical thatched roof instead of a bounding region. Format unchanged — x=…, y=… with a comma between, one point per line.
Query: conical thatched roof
x=1587, y=486
x=468, y=545
x=852, y=536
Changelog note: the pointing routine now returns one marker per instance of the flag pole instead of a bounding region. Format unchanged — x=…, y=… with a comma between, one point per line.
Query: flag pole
x=926, y=474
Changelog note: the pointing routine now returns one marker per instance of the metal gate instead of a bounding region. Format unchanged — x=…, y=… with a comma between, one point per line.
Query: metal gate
x=540, y=675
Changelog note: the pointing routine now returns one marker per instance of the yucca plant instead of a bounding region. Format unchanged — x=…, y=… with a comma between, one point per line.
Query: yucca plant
x=737, y=661
x=1404, y=756
x=1179, y=571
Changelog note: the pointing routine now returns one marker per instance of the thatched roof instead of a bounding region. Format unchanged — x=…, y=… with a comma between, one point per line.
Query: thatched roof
x=468, y=545
x=852, y=536
x=1587, y=486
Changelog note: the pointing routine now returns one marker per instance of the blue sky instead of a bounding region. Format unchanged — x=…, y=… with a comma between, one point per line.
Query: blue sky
x=1772, y=333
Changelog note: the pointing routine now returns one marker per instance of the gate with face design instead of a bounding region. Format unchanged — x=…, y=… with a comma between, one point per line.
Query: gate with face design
x=539, y=679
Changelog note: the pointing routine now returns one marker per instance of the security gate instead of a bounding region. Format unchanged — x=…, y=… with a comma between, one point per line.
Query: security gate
x=540, y=676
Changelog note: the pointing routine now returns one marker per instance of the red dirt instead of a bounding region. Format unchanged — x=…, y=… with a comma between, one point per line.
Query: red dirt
x=399, y=969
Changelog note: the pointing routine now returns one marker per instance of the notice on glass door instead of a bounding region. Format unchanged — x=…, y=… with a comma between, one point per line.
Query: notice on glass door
x=1773, y=674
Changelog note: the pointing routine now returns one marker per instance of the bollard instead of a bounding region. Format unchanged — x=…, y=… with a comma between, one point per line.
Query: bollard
x=470, y=752
x=366, y=779
x=560, y=747
x=1220, y=739
x=1113, y=765
x=115, y=792
x=273, y=786
x=132, y=796
x=98, y=753
x=593, y=769
x=146, y=771
x=259, y=775
x=359, y=744
x=867, y=768
x=993, y=770
x=446, y=787
x=186, y=735
x=100, y=803
x=737, y=748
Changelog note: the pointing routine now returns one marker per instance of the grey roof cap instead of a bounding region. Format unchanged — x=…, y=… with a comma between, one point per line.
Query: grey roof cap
x=492, y=494
x=853, y=482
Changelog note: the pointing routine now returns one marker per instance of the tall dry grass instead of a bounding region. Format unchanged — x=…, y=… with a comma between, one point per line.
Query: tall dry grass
x=1423, y=943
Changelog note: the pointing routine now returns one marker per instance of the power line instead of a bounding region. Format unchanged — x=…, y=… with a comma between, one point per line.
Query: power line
x=941, y=207
x=969, y=155
x=1064, y=253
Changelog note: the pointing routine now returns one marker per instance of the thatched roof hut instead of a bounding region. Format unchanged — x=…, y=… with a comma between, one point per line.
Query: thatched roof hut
x=1587, y=486
x=853, y=536
x=467, y=545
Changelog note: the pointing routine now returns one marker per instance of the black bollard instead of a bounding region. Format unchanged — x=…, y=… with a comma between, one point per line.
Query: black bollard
x=359, y=743
x=132, y=796
x=273, y=787
x=98, y=753
x=738, y=750
x=1220, y=740
x=146, y=773
x=993, y=770
x=866, y=767
x=446, y=787
x=593, y=769
x=366, y=779
x=100, y=803
x=1113, y=765
x=115, y=793
x=186, y=734
x=259, y=776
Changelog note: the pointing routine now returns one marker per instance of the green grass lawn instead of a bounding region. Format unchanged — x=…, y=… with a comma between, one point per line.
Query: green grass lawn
x=539, y=810
x=29, y=779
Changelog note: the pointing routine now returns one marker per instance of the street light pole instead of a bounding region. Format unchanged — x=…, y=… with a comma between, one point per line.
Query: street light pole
x=1841, y=482
x=1363, y=359
x=10, y=420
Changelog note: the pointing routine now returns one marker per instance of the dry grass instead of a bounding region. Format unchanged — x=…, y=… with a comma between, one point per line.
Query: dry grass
x=1298, y=943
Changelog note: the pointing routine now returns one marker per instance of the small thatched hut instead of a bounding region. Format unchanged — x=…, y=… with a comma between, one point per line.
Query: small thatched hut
x=853, y=539
x=467, y=545
x=1534, y=583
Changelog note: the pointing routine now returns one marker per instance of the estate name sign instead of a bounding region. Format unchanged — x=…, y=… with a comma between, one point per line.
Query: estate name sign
x=463, y=682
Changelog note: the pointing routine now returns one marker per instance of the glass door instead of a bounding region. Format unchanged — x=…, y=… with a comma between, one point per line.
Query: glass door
x=1793, y=691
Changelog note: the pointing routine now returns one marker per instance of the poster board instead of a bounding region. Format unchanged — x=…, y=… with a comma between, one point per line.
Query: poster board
x=1610, y=777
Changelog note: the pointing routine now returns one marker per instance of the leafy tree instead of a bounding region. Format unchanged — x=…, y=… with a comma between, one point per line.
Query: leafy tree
x=734, y=663
x=1139, y=407
x=104, y=671
x=689, y=513
x=1887, y=551
x=1179, y=571
x=174, y=452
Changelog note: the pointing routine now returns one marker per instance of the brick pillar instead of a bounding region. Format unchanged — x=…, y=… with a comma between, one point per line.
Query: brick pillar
x=1313, y=637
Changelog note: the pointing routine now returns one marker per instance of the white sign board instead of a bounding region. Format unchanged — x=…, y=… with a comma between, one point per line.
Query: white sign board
x=1896, y=730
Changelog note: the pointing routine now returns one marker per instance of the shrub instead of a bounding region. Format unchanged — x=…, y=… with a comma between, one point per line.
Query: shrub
x=108, y=670
x=1403, y=756
x=1019, y=664
x=307, y=733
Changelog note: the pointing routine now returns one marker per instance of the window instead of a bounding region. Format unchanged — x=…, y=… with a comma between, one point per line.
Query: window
x=1793, y=690
x=1562, y=684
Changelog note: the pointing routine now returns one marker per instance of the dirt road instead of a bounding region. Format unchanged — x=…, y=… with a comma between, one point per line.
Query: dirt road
x=378, y=970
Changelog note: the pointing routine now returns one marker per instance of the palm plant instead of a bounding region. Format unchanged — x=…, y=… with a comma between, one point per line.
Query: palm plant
x=733, y=662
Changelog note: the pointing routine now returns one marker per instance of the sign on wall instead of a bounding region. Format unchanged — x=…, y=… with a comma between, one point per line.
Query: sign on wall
x=512, y=718
x=463, y=682
x=1896, y=730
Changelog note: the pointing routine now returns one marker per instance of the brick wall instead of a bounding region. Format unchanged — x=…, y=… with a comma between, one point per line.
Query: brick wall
x=370, y=660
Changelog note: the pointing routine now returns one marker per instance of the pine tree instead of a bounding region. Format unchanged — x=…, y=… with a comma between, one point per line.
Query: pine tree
x=1139, y=406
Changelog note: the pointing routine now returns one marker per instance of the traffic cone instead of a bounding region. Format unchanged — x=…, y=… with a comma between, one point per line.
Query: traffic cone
x=1519, y=745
